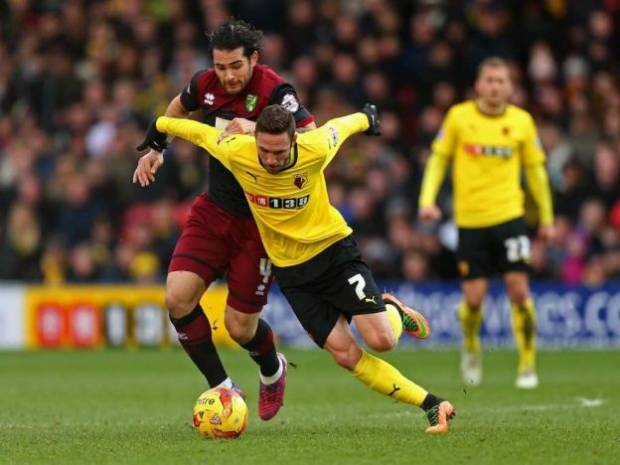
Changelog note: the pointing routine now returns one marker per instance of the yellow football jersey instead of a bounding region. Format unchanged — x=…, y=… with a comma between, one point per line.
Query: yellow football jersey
x=292, y=210
x=487, y=153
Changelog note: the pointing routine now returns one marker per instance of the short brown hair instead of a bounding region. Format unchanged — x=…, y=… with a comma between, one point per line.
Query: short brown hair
x=491, y=62
x=275, y=119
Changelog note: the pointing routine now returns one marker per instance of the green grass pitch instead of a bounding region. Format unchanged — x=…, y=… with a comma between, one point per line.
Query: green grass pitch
x=116, y=407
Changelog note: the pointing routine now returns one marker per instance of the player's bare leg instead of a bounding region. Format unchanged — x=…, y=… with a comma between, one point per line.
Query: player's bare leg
x=377, y=331
x=524, y=328
x=255, y=335
x=379, y=375
x=382, y=330
x=470, y=316
x=183, y=292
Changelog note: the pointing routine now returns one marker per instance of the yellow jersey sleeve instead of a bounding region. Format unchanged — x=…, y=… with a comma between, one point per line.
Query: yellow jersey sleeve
x=199, y=134
x=325, y=141
x=445, y=140
x=437, y=164
x=538, y=182
x=435, y=171
x=532, y=152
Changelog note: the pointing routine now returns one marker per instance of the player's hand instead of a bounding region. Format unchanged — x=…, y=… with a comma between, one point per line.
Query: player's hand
x=147, y=167
x=547, y=233
x=430, y=213
x=238, y=126
x=372, y=114
x=153, y=139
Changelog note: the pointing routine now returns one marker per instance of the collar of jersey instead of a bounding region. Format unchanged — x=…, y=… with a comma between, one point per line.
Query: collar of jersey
x=293, y=162
x=489, y=115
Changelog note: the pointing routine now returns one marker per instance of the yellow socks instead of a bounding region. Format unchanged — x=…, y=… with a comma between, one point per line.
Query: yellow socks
x=470, y=323
x=382, y=377
x=524, y=329
x=396, y=323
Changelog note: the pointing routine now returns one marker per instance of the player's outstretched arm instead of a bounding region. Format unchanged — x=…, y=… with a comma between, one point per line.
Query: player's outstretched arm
x=192, y=131
x=200, y=134
x=331, y=135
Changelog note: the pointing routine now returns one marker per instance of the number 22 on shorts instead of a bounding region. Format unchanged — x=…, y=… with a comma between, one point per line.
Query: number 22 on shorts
x=517, y=248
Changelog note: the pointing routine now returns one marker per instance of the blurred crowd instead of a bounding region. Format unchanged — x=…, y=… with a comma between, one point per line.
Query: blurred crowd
x=79, y=81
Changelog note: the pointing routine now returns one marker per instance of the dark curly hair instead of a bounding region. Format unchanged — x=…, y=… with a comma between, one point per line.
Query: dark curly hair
x=234, y=34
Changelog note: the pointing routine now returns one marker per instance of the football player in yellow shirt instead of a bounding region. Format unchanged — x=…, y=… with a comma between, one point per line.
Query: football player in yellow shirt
x=489, y=142
x=315, y=259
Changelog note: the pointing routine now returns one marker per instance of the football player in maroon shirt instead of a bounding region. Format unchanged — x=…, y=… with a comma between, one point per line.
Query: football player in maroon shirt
x=220, y=237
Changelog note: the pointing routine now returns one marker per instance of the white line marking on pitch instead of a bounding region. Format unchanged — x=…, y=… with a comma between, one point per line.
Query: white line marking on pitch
x=582, y=402
x=585, y=402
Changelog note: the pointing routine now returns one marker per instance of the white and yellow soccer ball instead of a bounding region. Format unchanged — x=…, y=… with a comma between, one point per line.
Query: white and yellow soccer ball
x=220, y=413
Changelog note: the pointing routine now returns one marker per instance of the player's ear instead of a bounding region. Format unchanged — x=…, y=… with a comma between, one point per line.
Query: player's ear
x=477, y=86
x=294, y=138
x=253, y=58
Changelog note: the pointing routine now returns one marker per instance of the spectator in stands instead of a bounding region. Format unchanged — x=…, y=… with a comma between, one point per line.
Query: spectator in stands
x=79, y=80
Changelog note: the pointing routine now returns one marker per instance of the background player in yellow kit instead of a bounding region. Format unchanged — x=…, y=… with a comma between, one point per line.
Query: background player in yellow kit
x=489, y=141
x=315, y=260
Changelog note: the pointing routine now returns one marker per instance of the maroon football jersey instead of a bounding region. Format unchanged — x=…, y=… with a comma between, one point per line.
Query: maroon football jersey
x=265, y=88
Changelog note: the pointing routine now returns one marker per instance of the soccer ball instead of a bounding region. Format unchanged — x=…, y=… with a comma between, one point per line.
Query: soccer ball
x=220, y=413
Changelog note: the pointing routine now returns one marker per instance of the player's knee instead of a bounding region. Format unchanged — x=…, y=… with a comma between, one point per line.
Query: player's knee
x=474, y=301
x=382, y=341
x=240, y=333
x=179, y=305
x=518, y=296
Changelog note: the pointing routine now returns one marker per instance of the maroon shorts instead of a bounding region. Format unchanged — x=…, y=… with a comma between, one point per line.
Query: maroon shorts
x=214, y=243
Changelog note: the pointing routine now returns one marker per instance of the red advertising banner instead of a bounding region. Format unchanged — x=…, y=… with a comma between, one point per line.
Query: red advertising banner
x=88, y=317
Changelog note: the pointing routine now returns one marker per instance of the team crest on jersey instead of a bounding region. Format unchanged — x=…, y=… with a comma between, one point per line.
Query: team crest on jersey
x=300, y=180
x=506, y=131
x=209, y=98
x=250, y=102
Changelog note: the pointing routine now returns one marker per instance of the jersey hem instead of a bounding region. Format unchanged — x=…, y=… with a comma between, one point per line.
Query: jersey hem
x=286, y=264
x=476, y=225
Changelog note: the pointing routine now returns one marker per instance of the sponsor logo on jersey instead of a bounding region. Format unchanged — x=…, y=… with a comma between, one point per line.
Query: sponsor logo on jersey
x=250, y=102
x=489, y=150
x=300, y=180
x=209, y=98
x=290, y=103
x=293, y=203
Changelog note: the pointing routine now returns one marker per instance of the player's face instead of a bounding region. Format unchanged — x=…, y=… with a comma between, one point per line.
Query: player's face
x=233, y=68
x=494, y=85
x=274, y=151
